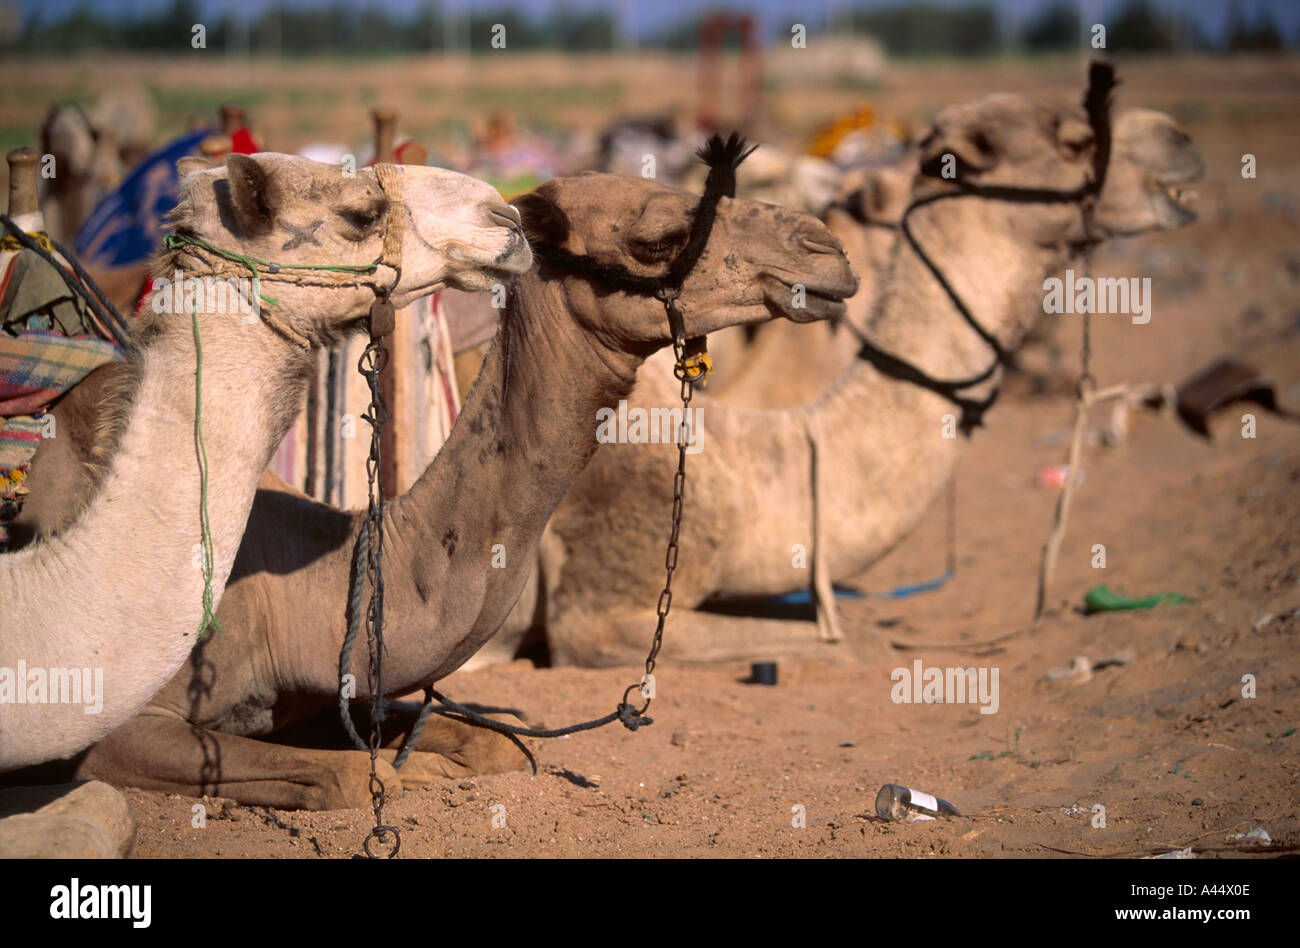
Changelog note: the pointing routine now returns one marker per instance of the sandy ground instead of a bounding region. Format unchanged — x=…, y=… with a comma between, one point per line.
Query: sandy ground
x=1167, y=743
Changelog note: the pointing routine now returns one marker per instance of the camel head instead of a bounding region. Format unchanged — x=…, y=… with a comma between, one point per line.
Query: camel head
x=865, y=216
x=1152, y=160
x=996, y=247
x=761, y=261
x=877, y=195
x=422, y=228
x=1014, y=141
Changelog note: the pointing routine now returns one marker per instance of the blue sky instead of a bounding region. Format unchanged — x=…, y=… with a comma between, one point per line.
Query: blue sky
x=648, y=16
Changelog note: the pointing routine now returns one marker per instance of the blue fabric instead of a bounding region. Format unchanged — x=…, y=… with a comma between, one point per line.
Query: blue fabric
x=902, y=592
x=126, y=226
x=804, y=597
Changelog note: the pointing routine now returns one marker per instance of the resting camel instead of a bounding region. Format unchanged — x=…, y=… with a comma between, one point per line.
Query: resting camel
x=881, y=458
x=92, y=150
x=789, y=364
x=119, y=586
x=461, y=544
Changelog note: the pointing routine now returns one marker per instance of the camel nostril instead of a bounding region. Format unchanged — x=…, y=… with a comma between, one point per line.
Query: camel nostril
x=506, y=215
x=821, y=244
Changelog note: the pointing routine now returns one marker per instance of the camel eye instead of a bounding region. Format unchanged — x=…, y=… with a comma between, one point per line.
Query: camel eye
x=657, y=249
x=1073, y=138
x=1074, y=148
x=361, y=220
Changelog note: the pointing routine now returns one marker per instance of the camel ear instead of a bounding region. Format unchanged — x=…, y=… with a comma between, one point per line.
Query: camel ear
x=543, y=219
x=973, y=149
x=1073, y=137
x=868, y=202
x=254, y=194
x=858, y=205
x=190, y=164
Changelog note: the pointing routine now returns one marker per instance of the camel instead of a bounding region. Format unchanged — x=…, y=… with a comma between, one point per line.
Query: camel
x=461, y=544
x=789, y=364
x=880, y=457
x=87, y=166
x=92, y=150
x=114, y=597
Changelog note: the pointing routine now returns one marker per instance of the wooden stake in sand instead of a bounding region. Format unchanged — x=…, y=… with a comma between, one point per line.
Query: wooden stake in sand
x=1052, y=546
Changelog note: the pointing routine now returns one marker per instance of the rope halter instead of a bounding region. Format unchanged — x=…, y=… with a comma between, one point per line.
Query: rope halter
x=220, y=263
x=1096, y=101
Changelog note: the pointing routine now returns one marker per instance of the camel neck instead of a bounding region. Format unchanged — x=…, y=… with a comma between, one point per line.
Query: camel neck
x=913, y=444
x=252, y=385
x=75, y=598
x=469, y=528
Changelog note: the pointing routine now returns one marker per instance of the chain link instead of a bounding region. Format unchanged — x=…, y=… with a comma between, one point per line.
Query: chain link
x=371, y=365
x=687, y=376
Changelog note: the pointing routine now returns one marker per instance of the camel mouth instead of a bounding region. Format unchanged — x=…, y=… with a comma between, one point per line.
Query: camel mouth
x=806, y=302
x=515, y=243
x=483, y=267
x=1173, y=198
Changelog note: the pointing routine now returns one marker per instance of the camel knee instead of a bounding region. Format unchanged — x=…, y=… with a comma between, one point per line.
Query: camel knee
x=345, y=785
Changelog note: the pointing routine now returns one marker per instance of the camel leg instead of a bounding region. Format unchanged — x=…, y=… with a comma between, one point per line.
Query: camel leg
x=622, y=638
x=446, y=748
x=451, y=748
x=156, y=752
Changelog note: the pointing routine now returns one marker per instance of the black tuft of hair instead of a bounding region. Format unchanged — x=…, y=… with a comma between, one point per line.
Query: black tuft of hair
x=723, y=158
x=1101, y=83
x=1096, y=102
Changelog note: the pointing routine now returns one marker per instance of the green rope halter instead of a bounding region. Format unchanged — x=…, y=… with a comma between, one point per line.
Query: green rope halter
x=179, y=242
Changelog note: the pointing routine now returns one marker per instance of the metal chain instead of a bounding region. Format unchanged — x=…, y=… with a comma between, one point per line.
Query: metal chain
x=371, y=365
x=689, y=369
x=687, y=375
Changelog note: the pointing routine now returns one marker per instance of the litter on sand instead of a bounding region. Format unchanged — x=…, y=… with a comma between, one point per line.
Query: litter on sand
x=1102, y=599
x=1219, y=385
x=1254, y=833
x=902, y=804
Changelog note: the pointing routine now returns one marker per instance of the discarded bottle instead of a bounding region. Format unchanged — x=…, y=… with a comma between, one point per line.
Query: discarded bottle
x=896, y=802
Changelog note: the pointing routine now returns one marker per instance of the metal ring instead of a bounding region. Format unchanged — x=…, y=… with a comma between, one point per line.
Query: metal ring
x=378, y=833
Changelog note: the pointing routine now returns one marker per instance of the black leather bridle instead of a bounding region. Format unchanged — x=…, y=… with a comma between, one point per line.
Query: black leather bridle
x=1096, y=101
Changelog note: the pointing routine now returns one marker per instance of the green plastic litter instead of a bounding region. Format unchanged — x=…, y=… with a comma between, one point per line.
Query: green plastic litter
x=1101, y=599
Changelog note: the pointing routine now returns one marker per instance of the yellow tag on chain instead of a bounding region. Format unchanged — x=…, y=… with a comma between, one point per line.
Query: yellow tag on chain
x=697, y=365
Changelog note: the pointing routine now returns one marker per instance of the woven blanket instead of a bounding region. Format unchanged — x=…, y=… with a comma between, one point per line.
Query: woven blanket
x=19, y=437
x=39, y=365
